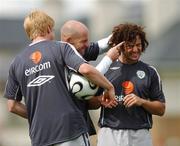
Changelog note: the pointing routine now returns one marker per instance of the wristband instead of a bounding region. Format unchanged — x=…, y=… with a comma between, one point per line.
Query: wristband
x=104, y=65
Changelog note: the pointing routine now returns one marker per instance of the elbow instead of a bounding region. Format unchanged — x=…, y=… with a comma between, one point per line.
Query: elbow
x=85, y=69
x=161, y=114
x=162, y=110
x=11, y=106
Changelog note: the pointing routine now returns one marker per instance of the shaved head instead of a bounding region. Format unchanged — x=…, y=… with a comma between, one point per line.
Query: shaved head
x=72, y=28
x=75, y=33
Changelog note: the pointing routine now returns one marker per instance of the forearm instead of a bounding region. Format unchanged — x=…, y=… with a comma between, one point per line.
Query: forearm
x=17, y=108
x=154, y=107
x=104, y=65
x=94, y=102
x=95, y=76
x=107, y=60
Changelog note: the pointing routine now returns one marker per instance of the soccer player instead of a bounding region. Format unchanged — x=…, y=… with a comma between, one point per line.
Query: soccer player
x=138, y=91
x=77, y=34
x=38, y=71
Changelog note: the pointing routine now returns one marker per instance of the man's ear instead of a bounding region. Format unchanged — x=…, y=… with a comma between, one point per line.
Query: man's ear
x=49, y=30
x=65, y=38
x=69, y=40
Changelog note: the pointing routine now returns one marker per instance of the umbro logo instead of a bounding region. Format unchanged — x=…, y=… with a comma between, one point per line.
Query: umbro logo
x=114, y=68
x=40, y=80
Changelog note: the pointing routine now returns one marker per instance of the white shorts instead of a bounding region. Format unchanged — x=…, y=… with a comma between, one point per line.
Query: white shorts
x=82, y=140
x=110, y=137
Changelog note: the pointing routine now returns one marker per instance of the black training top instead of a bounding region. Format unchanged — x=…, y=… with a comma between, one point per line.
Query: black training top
x=39, y=73
x=92, y=52
x=140, y=79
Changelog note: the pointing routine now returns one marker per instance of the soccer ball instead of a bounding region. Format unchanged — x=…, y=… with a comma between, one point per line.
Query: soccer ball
x=81, y=88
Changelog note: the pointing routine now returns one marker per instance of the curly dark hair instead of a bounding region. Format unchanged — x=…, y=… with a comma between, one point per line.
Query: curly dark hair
x=127, y=32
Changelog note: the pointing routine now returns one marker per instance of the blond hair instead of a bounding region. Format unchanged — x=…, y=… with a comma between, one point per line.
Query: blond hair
x=37, y=23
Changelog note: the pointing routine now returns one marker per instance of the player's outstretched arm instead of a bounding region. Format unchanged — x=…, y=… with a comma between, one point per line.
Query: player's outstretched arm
x=111, y=56
x=102, y=67
x=97, y=78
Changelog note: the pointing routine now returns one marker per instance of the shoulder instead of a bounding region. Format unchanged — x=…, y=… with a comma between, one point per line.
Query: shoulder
x=17, y=59
x=152, y=69
x=146, y=65
x=66, y=45
x=14, y=65
x=94, y=45
x=92, y=52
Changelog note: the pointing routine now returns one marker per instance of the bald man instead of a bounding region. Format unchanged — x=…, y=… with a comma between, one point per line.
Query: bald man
x=77, y=34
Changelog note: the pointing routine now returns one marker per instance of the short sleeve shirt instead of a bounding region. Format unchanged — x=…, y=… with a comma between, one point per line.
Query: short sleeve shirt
x=38, y=71
x=140, y=79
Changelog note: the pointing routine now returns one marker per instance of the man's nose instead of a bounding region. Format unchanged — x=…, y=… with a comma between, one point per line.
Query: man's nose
x=135, y=48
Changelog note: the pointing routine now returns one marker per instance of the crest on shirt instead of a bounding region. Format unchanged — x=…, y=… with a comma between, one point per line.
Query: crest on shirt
x=36, y=57
x=141, y=74
x=128, y=87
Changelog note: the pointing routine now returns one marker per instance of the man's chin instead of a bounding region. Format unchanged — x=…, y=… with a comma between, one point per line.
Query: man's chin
x=135, y=58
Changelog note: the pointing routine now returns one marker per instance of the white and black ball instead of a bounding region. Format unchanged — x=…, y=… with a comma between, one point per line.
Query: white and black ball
x=80, y=87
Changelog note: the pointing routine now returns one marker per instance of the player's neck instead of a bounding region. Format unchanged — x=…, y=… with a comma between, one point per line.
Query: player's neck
x=39, y=38
x=125, y=60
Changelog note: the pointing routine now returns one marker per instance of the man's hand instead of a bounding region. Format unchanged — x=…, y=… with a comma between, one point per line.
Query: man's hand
x=114, y=52
x=109, y=101
x=132, y=100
